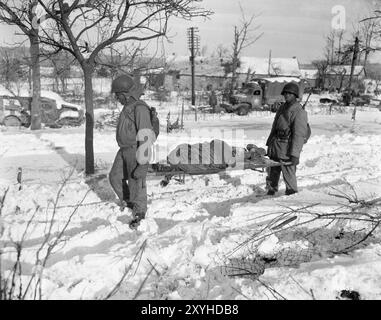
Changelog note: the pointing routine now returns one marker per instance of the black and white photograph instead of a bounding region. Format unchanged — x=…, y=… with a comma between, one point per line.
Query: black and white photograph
x=219, y=151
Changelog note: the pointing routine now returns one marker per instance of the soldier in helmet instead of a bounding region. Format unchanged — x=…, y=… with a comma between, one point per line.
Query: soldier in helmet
x=286, y=140
x=134, y=135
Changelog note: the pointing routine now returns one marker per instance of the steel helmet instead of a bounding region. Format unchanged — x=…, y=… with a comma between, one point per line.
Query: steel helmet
x=291, y=87
x=126, y=84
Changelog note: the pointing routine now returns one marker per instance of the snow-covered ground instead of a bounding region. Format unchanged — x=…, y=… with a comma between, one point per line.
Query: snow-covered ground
x=195, y=231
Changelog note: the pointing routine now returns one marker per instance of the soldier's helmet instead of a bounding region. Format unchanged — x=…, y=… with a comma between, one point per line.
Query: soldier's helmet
x=126, y=84
x=291, y=87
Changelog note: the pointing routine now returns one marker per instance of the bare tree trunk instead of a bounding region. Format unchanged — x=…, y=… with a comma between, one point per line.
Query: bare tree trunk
x=56, y=84
x=341, y=81
x=29, y=78
x=63, y=84
x=36, y=81
x=235, y=61
x=367, y=46
x=88, y=71
x=354, y=59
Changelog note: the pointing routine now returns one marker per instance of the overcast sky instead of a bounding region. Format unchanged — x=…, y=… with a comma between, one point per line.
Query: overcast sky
x=291, y=27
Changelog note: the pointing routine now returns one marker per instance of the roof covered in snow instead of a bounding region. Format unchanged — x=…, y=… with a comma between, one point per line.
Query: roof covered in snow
x=279, y=79
x=287, y=67
x=204, y=66
x=334, y=70
x=176, y=59
x=309, y=73
x=211, y=66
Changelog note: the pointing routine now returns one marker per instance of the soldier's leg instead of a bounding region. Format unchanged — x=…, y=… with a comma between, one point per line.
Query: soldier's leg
x=139, y=197
x=116, y=176
x=137, y=187
x=289, y=177
x=272, y=179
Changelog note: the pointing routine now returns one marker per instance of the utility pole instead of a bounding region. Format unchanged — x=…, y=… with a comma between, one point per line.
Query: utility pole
x=269, y=67
x=354, y=59
x=193, y=45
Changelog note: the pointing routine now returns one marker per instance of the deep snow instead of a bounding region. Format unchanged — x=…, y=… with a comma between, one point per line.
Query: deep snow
x=191, y=229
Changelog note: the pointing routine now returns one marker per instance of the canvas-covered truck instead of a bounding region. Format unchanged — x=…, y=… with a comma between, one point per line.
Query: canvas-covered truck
x=261, y=94
x=55, y=112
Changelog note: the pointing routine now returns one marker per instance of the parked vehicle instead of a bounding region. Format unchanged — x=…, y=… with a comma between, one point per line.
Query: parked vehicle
x=261, y=94
x=55, y=112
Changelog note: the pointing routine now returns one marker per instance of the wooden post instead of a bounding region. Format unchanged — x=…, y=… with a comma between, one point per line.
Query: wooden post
x=182, y=115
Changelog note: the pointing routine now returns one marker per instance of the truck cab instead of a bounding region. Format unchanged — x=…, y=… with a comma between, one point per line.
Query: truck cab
x=248, y=98
x=261, y=94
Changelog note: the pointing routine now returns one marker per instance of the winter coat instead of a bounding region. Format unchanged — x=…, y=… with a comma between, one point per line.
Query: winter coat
x=289, y=128
x=212, y=99
x=134, y=117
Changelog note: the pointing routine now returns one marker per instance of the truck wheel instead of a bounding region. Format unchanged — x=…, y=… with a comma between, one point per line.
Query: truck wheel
x=12, y=121
x=242, y=110
x=227, y=107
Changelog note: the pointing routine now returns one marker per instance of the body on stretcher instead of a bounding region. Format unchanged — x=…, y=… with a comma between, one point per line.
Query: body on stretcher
x=169, y=170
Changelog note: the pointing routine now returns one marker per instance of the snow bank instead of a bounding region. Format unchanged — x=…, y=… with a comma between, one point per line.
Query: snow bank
x=193, y=230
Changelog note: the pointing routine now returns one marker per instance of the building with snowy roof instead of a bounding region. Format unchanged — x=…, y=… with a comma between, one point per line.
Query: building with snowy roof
x=270, y=67
x=337, y=76
x=210, y=71
x=311, y=75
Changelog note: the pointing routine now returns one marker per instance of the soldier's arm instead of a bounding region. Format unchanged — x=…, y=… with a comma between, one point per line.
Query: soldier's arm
x=272, y=131
x=298, y=131
x=145, y=134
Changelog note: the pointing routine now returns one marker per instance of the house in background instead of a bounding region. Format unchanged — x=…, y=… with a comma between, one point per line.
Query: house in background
x=209, y=71
x=337, y=76
x=310, y=74
x=269, y=67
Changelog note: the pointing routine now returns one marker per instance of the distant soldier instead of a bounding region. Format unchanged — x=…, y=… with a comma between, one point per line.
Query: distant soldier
x=134, y=135
x=286, y=140
x=213, y=100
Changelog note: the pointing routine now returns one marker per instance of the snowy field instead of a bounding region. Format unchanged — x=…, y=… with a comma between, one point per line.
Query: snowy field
x=311, y=245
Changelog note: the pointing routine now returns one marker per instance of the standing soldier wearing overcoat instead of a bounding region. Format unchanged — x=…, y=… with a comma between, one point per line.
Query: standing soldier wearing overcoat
x=286, y=140
x=134, y=135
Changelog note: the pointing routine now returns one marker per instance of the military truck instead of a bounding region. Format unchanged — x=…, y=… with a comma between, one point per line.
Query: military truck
x=261, y=94
x=55, y=112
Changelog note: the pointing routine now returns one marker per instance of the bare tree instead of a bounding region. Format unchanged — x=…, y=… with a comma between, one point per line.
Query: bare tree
x=367, y=33
x=86, y=28
x=61, y=63
x=370, y=32
x=222, y=51
x=244, y=36
x=22, y=15
x=330, y=47
x=11, y=70
x=340, y=36
x=121, y=60
x=322, y=67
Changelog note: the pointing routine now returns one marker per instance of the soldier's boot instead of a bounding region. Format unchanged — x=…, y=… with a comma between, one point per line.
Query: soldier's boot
x=290, y=192
x=138, y=217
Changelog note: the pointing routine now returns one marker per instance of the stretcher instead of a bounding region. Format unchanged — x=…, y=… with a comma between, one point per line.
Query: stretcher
x=169, y=171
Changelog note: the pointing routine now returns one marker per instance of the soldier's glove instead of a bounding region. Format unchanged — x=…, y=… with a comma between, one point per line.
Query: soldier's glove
x=294, y=160
x=139, y=172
